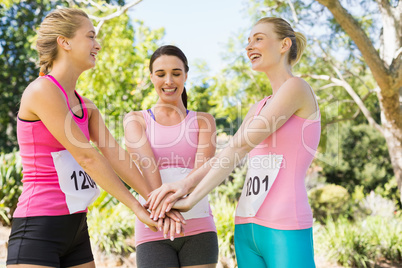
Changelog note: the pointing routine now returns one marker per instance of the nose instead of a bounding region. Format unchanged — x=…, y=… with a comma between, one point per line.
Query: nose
x=249, y=46
x=169, y=80
x=97, y=45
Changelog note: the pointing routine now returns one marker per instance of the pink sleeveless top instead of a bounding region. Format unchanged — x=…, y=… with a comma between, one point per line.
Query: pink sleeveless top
x=41, y=194
x=174, y=147
x=286, y=206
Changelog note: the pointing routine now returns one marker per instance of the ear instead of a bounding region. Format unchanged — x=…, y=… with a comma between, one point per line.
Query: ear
x=286, y=44
x=63, y=42
x=185, y=77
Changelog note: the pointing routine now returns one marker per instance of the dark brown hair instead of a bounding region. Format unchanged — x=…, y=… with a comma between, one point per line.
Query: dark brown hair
x=170, y=50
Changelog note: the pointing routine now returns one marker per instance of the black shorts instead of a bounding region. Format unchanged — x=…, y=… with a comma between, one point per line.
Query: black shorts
x=190, y=250
x=57, y=241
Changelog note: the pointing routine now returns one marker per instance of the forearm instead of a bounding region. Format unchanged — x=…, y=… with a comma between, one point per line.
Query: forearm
x=219, y=168
x=128, y=171
x=102, y=173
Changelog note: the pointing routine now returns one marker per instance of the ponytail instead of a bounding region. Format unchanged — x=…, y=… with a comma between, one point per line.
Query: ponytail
x=301, y=43
x=184, y=97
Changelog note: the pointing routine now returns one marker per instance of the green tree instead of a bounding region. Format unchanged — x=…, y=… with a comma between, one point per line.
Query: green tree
x=385, y=63
x=364, y=159
x=17, y=60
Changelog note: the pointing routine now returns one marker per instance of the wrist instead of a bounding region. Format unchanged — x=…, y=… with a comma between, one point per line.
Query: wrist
x=136, y=207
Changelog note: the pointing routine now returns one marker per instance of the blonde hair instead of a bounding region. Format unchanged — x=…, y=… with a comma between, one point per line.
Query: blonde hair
x=283, y=29
x=60, y=22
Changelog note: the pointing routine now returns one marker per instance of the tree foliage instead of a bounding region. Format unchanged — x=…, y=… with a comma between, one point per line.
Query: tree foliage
x=17, y=60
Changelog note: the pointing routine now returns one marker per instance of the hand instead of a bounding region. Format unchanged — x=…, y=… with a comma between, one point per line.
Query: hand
x=170, y=226
x=176, y=216
x=178, y=188
x=160, y=210
x=184, y=204
x=143, y=216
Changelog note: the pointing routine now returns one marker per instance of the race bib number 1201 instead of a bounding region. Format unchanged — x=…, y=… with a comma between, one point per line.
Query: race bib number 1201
x=261, y=175
x=80, y=190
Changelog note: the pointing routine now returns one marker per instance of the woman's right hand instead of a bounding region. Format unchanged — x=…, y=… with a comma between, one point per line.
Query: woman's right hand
x=178, y=190
x=170, y=227
x=143, y=216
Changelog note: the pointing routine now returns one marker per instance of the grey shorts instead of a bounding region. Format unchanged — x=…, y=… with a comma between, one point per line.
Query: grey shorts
x=191, y=250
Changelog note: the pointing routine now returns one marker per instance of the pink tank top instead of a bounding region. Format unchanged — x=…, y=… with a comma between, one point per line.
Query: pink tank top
x=286, y=205
x=41, y=194
x=174, y=148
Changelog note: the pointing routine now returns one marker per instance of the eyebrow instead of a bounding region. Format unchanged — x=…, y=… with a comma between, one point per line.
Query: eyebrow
x=92, y=31
x=162, y=70
x=257, y=34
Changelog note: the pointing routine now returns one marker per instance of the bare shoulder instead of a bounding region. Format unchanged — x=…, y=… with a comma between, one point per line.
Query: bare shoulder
x=298, y=86
x=38, y=92
x=205, y=116
x=41, y=87
x=205, y=119
x=301, y=91
x=87, y=101
x=253, y=108
x=134, y=118
x=90, y=105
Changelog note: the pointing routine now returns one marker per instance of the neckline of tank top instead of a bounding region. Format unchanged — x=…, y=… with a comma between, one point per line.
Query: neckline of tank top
x=82, y=117
x=317, y=118
x=153, y=117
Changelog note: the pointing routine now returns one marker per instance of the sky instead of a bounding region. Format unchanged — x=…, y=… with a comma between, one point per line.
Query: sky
x=200, y=28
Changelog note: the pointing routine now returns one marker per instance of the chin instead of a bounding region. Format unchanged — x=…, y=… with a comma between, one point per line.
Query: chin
x=256, y=68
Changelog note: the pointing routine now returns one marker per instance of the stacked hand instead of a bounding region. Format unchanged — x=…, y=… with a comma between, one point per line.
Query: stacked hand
x=164, y=205
x=171, y=223
x=168, y=196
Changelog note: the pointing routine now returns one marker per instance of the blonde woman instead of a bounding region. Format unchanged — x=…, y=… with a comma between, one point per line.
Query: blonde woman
x=61, y=168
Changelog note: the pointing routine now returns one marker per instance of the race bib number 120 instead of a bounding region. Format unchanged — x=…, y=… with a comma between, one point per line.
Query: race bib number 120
x=80, y=190
x=261, y=175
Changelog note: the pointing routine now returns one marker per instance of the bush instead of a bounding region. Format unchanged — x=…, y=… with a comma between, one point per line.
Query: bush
x=111, y=225
x=363, y=159
x=360, y=243
x=377, y=205
x=329, y=200
x=11, y=185
x=224, y=210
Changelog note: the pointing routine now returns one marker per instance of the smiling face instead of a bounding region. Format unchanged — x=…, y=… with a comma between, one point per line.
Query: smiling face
x=168, y=76
x=84, y=46
x=264, y=47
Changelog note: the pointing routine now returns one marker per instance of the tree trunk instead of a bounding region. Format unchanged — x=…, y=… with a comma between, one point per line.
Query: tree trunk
x=386, y=69
x=395, y=153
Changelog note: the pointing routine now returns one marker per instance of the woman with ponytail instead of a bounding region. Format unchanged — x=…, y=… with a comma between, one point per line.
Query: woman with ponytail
x=280, y=134
x=168, y=142
x=62, y=169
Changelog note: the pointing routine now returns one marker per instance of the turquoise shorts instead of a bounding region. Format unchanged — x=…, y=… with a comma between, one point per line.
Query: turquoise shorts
x=258, y=247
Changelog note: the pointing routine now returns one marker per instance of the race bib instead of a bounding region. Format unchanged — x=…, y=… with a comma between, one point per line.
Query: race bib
x=80, y=190
x=261, y=175
x=201, y=209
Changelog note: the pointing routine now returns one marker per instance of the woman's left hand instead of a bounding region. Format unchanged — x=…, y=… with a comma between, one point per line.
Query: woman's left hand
x=184, y=204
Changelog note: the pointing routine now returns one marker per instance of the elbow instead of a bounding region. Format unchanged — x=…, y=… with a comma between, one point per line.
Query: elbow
x=88, y=159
